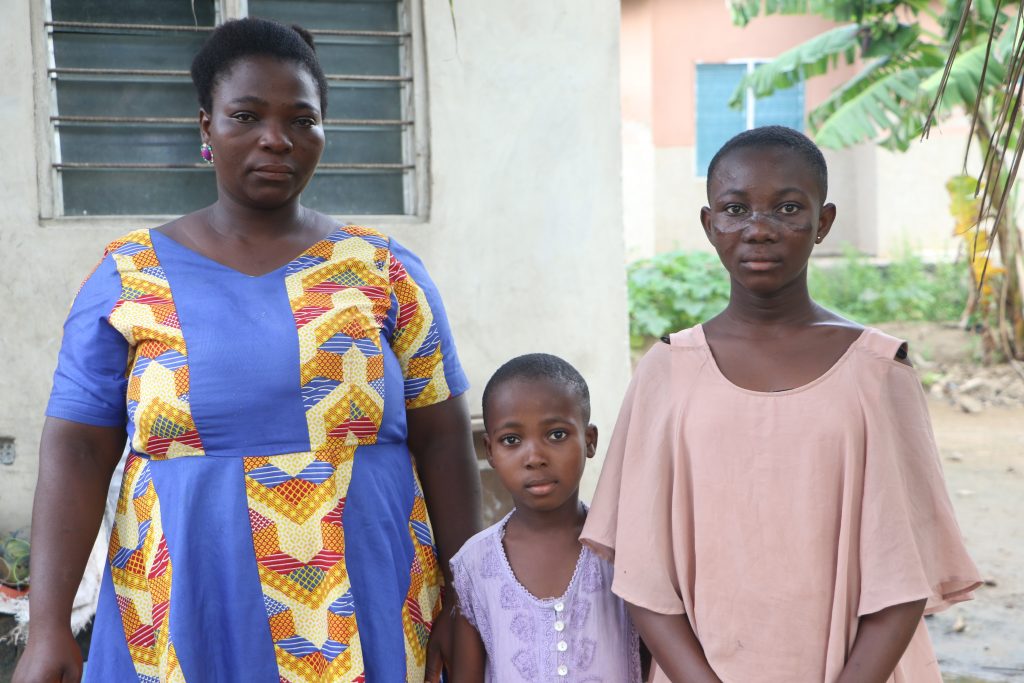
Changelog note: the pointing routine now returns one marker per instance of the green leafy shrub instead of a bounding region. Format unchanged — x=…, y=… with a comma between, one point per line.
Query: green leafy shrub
x=905, y=289
x=678, y=289
x=674, y=290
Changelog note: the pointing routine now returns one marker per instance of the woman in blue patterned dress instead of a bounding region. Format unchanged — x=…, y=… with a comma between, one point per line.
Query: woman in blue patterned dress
x=290, y=394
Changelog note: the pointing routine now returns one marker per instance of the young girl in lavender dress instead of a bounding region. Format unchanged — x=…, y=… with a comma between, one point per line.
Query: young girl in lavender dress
x=535, y=605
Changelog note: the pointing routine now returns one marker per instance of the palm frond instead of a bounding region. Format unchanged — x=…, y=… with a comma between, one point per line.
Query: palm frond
x=811, y=58
x=877, y=112
x=840, y=11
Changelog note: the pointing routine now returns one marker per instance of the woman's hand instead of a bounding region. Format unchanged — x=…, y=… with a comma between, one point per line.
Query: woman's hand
x=440, y=439
x=52, y=656
x=439, y=646
x=75, y=465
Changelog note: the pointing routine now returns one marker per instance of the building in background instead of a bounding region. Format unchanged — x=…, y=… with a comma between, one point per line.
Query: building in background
x=495, y=156
x=681, y=63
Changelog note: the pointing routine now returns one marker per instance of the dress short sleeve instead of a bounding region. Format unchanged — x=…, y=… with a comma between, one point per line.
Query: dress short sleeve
x=910, y=545
x=90, y=381
x=420, y=334
x=631, y=520
x=463, y=584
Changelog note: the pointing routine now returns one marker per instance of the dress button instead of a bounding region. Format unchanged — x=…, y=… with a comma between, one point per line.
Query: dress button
x=559, y=626
x=559, y=607
x=562, y=646
x=563, y=670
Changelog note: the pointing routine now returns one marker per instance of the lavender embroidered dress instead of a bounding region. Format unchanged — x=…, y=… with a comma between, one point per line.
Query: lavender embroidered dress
x=584, y=636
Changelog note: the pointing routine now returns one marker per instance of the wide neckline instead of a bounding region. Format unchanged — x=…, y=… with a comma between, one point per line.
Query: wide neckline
x=699, y=328
x=499, y=536
x=223, y=266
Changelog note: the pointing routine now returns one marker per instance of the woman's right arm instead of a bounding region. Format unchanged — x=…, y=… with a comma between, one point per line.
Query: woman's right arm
x=469, y=653
x=673, y=645
x=76, y=462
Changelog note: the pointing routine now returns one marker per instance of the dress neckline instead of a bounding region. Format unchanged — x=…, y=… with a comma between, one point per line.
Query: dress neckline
x=703, y=343
x=163, y=237
x=498, y=537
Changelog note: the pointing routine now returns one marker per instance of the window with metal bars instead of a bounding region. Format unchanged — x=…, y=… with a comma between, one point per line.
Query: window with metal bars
x=125, y=118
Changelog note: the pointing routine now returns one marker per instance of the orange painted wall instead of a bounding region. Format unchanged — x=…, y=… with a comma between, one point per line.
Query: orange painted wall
x=684, y=33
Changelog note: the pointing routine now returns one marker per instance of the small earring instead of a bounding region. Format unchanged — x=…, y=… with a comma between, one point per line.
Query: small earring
x=818, y=240
x=206, y=151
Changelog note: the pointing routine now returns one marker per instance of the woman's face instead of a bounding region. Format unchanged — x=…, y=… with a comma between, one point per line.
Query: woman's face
x=266, y=131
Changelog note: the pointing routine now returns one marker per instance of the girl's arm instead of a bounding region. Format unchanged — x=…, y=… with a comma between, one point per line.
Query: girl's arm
x=882, y=638
x=440, y=439
x=673, y=645
x=469, y=655
x=76, y=462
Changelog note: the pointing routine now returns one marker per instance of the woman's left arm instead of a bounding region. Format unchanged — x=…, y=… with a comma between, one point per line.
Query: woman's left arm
x=881, y=640
x=441, y=441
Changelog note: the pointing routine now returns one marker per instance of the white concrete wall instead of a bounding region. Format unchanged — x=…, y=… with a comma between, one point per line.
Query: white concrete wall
x=524, y=236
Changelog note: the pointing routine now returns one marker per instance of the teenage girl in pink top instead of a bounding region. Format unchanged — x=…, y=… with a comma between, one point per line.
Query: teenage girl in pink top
x=772, y=494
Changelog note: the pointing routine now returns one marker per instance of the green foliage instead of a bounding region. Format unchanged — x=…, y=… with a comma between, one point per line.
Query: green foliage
x=674, y=290
x=679, y=289
x=889, y=101
x=905, y=289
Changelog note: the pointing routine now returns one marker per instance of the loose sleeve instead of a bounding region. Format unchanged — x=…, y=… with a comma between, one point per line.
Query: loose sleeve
x=90, y=381
x=910, y=545
x=631, y=519
x=420, y=334
x=463, y=583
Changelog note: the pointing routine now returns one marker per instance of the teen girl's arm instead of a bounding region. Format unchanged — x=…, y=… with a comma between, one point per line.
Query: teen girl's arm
x=440, y=439
x=76, y=462
x=470, y=655
x=673, y=645
x=882, y=638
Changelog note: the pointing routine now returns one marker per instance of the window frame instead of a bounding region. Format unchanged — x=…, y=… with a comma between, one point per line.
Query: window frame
x=750, y=108
x=415, y=135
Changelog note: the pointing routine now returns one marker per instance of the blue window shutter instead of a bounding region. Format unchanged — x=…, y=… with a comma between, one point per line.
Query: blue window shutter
x=781, y=108
x=716, y=120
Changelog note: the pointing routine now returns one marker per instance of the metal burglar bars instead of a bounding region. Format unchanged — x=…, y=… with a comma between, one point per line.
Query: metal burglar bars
x=124, y=114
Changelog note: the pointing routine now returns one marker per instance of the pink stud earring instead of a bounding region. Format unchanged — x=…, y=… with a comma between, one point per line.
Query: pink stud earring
x=206, y=151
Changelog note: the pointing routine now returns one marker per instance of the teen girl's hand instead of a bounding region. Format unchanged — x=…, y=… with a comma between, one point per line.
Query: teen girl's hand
x=50, y=658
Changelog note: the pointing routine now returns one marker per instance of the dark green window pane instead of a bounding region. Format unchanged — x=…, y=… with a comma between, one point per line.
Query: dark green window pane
x=377, y=145
x=127, y=143
x=92, y=96
x=165, y=12
x=375, y=15
x=365, y=56
x=136, y=192
x=348, y=193
x=139, y=50
x=364, y=101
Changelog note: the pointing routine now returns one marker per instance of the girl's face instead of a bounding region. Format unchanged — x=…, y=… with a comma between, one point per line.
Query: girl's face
x=764, y=217
x=537, y=442
x=266, y=131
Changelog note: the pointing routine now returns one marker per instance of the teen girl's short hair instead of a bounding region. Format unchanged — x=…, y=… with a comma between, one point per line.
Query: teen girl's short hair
x=776, y=136
x=538, y=366
x=252, y=37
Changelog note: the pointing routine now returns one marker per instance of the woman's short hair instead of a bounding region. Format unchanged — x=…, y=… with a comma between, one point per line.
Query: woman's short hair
x=252, y=37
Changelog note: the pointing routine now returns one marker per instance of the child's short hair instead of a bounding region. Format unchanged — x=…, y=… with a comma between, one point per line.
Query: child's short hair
x=535, y=366
x=776, y=136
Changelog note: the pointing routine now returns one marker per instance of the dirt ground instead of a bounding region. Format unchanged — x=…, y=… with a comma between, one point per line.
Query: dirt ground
x=983, y=458
x=978, y=416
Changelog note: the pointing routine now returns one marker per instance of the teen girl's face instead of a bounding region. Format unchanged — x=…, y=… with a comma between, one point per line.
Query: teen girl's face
x=764, y=217
x=266, y=131
x=537, y=442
